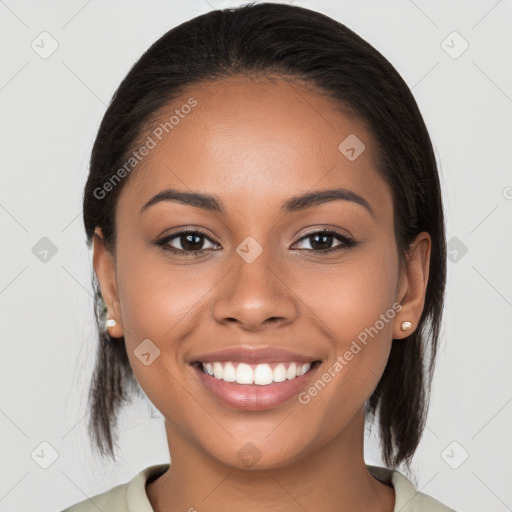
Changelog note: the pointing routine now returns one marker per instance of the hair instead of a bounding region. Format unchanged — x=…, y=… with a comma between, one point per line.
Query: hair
x=296, y=43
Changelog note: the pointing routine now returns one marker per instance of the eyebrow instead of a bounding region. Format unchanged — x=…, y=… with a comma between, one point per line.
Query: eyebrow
x=294, y=204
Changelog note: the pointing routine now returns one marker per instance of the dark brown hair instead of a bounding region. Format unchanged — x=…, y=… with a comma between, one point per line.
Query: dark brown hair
x=288, y=41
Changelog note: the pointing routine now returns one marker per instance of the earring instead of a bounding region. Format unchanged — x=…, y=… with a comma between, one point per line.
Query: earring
x=110, y=322
x=112, y=328
x=406, y=325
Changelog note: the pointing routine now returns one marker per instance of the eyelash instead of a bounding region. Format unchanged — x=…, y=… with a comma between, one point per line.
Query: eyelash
x=347, y=242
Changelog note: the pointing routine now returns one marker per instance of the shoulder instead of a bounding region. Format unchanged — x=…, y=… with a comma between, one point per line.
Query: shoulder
x=407, y=498
x=128, y=497
x=114, y=499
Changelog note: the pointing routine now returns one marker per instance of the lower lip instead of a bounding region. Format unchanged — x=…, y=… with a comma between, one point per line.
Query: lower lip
x=253, y=397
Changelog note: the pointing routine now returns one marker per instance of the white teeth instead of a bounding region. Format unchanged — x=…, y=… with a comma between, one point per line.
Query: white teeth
x=261, y=374
x=279, y=373
x=291, y=373
x=244, y=374
x=229, y=373
x=217, y=370
x=301, y=370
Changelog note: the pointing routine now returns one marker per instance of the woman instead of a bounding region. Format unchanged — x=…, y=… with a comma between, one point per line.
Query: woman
x=269, y=257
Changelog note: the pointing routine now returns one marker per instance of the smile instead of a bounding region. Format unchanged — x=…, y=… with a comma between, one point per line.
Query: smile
x=254, y=387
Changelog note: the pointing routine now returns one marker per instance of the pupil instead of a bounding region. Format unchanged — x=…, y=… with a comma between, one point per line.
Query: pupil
x=189, y=244
x=324, y=244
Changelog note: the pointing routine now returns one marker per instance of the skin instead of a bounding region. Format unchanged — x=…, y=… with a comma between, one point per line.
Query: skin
x=255, y=144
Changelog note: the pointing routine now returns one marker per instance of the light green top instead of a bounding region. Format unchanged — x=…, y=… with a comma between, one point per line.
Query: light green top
x=131, y=496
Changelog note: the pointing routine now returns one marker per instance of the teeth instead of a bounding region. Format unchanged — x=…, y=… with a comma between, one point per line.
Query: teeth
x=217, y=370
x=279, y=373
x=261, y=374
x=228, y=373
x=244, y=374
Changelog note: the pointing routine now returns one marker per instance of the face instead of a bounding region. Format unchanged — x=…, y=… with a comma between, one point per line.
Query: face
x=257, y=274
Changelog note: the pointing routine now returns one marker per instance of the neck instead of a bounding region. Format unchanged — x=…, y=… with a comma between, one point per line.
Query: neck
x=332, y=477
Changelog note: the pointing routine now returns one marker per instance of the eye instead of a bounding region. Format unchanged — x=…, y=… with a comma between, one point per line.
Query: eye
x=188, y=241
x=320, y=241
x=191, y=242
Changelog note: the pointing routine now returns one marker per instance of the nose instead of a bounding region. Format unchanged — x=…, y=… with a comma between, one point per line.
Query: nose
x=256, y=295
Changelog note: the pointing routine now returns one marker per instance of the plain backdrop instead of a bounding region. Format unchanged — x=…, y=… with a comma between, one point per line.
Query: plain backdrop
x=455, y=56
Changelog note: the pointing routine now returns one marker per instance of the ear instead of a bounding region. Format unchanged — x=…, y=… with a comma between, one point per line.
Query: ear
x=105, y=269
x=413, y=285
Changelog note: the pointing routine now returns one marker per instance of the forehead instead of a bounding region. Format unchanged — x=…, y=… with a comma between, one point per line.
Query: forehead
x=255, y=141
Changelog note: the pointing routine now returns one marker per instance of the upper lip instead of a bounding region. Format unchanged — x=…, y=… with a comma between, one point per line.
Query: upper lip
x=253, y=355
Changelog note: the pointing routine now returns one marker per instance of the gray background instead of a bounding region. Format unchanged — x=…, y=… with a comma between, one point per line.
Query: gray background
x=50, y=110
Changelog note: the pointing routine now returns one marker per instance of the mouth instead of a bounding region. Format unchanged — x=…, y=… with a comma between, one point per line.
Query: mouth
x=254, y=387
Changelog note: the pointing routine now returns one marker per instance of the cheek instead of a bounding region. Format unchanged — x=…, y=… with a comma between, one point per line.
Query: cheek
x=157, y=302
x=350, y=297
x=158, y=306
x=158, y=297
x=354, y=305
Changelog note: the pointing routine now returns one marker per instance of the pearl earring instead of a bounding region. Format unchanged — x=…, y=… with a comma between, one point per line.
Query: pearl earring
x=406, y=325
x=110, y=322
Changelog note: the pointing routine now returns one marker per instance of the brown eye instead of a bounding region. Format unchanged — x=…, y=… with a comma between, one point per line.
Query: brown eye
x=321, y=241
x=187, y=242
